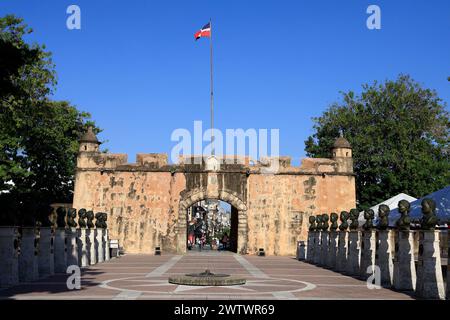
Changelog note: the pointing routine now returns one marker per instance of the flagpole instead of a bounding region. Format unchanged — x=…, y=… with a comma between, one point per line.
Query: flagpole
x=212, y=88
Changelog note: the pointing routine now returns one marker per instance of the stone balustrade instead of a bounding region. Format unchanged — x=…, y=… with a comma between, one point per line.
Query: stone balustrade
x=9, y=256
x=60, y=250
x=384, y=257
x=28, y=257
x=396, y=256
x=342, y=252
x=31, y=253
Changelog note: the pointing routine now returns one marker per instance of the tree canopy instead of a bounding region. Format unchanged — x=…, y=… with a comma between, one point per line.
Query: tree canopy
x=38, y=136
x=400, y=135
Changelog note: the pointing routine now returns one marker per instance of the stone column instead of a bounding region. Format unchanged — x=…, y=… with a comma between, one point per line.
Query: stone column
x=368, y=251
x=342, y=252
x=181, y=232
x=332, y=249
x=310, y=247
x=83, y=249
x=9, y=256
x=404, y=266
x=354, y=253
x=28, y=258
x=91, y=246
x=72, y=247
x=99, y=245
x=60, y=251
x=317, y=237
x=46, y=255
x=384, y=257
x=107, y=252
x=242, y=233
x=323, y=248
x=430, y=281
x=90, y=243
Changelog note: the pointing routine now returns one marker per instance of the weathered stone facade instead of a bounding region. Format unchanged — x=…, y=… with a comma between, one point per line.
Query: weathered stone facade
x=147, y=201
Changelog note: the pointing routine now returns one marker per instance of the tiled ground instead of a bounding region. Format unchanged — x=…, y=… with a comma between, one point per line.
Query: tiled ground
x=145, y=277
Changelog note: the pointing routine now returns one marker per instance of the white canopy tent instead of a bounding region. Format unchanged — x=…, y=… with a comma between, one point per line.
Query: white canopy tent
x=442, y=199
x=392, y=203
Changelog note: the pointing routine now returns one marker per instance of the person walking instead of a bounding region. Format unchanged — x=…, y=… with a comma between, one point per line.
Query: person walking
x=225, y=241
x=191, y=234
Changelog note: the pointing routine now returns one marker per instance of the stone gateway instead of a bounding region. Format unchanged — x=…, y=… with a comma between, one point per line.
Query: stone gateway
x=147, y=201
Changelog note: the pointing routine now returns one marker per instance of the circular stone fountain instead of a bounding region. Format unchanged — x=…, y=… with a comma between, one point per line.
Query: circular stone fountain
x=207, y=278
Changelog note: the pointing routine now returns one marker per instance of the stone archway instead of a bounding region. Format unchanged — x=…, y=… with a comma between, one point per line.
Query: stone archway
x=190, y=198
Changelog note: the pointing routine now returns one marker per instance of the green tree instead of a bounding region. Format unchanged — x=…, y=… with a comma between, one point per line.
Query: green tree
x=38, y=136
x=400, y=136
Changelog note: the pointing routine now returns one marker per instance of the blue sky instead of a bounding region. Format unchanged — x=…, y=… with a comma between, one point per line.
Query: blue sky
x=135, y=66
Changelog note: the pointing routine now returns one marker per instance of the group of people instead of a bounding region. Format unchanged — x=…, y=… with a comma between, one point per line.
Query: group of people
x=197, y=236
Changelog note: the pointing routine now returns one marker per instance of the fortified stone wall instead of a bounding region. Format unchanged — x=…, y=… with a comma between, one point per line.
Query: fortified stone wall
x=280, y=205
x=145, y=200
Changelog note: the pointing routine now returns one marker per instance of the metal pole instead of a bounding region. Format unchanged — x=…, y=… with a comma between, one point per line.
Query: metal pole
x=212, y=89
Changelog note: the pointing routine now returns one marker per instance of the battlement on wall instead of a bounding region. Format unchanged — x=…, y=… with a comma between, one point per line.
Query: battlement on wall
x=152, y=159
x=89, y=158
x=282, y=163
x=98, y=160
x=160, y=162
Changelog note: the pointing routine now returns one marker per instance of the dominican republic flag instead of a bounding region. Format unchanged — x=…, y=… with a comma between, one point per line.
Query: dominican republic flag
x=204, y=32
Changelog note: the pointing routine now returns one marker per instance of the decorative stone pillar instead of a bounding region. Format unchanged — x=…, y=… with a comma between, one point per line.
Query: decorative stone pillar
x=448, y=265
x=354, y=253
x=332, y=249
x=181, y=245
x=368, y=250
x=72, y=246
x=99, y=245
x=92, y=246
x=104, y=244
x=46, y=255
x=60, y=251
x=323, y=248
x=430, y=282
x=404, y=266
x=317, y=237
x=28, y=258
x=107, y=252
x=301, y=251
x=242, y=232
x=83, y=249
x=310, y=246
x=181, y=232
x=384, y=256
x=342, y=253
x=9, y=256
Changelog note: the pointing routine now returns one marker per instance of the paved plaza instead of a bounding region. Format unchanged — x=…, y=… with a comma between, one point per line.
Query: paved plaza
x=145, y=277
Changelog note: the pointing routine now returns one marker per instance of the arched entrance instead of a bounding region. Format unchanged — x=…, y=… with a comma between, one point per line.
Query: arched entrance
x=239, y=211
x=212, y=226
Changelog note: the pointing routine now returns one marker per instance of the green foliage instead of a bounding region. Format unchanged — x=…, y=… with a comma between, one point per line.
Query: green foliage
x=38, y=136
x=400, y=136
